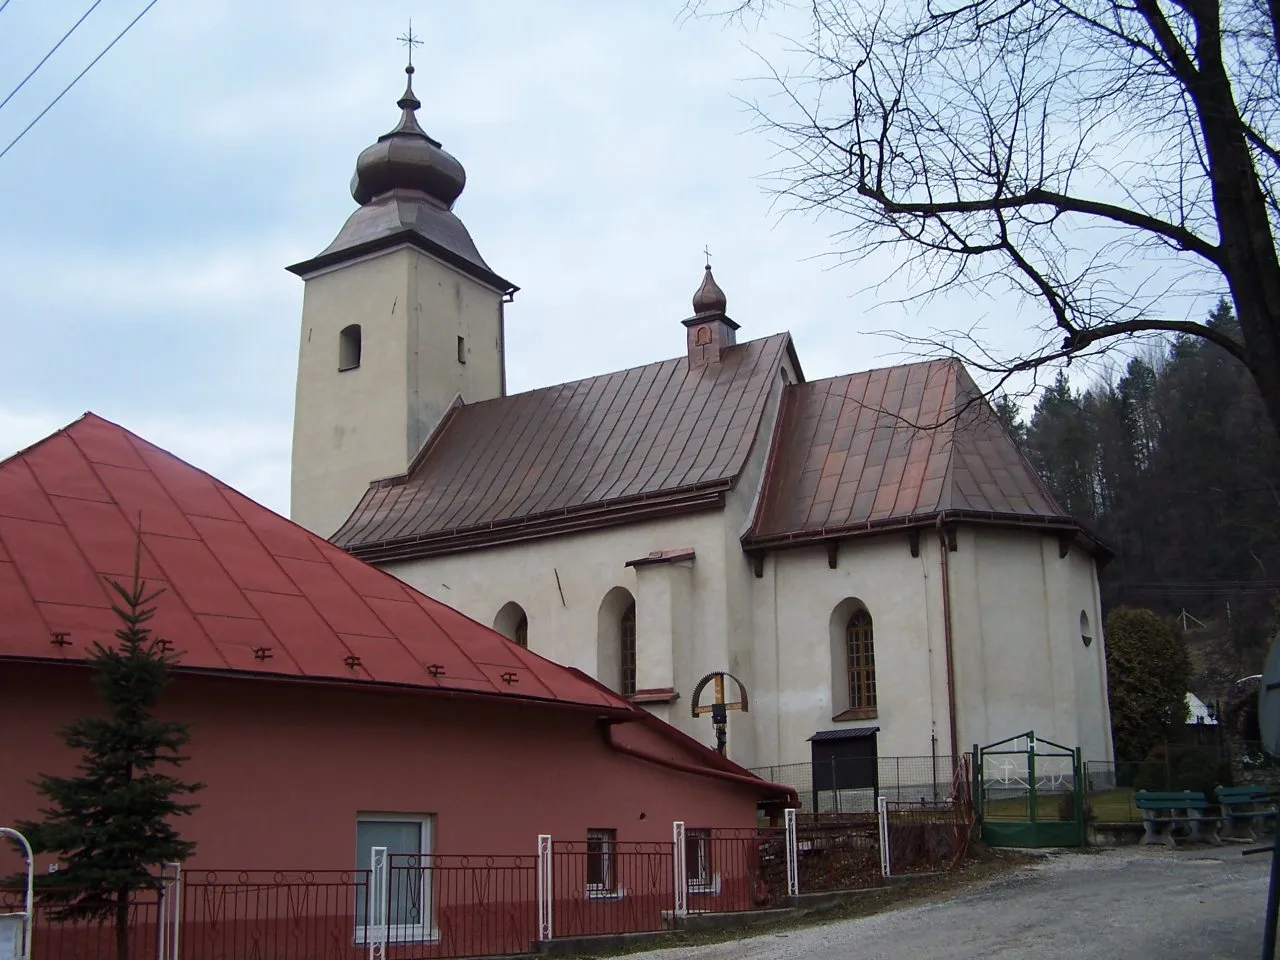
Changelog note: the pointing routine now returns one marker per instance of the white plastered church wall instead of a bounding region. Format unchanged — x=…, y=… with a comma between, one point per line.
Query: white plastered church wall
x=680, y=630
x=882, y=574
x=1020, y=663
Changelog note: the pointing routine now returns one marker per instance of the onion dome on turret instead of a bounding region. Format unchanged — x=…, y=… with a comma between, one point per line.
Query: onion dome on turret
x=709, y=298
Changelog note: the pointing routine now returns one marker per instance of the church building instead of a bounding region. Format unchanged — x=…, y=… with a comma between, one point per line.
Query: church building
x=869, y=555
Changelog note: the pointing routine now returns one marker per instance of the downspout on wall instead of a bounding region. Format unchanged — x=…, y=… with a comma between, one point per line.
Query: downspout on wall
x=946, y=638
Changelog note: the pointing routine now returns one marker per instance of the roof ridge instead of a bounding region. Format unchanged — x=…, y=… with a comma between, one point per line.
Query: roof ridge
x=248, y=545
x=611, y=373
x=43, y=440
x=912, y=364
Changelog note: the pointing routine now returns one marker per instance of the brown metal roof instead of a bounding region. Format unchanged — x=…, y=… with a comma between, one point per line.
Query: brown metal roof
x=891, y=446
x=628, y=445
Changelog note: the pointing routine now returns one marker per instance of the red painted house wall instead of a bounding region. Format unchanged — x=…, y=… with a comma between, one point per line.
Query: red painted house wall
x=289, y=766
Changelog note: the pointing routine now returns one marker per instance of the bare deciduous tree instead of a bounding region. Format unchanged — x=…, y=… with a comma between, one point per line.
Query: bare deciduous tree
x=1099, y=156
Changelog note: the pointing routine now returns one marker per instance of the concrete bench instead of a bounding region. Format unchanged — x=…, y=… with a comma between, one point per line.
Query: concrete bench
x=1247, y=810
x=1164, y=812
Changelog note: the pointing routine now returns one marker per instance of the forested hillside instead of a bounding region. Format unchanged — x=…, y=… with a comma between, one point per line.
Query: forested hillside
x=1175, y=464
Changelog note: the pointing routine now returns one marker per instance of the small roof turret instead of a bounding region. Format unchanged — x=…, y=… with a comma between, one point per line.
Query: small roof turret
x=711, y=332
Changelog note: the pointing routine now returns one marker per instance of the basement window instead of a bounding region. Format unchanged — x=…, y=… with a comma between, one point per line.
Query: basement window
x=349, y=347
x=601, y=881
x=697, y=860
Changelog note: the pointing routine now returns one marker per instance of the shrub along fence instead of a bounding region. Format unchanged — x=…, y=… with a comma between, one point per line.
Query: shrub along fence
x=438, y=906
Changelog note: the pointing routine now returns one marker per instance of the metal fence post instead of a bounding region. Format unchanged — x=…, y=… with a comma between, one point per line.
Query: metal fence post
x=379, y=901
x=681, y=878
x=546, y=888
x=28, y=916
x=793, y=854
x=169, y=912
x=882, y=811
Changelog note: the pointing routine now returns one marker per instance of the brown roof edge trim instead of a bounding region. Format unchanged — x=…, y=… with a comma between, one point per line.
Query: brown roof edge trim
x=414, y=239
x=399, y=479
x=775, y=366
x=370, y=686
x=770, y=791
x=802, y=538
x=662, y=556
x=795, y=359
x=533, y=528
x=769, y=475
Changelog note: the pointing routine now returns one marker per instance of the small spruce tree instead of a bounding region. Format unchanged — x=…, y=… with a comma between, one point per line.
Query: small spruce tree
x=110, y=822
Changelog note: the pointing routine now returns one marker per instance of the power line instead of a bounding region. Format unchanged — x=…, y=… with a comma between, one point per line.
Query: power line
x=119, y=36
x=3, y=5
x=49, y=54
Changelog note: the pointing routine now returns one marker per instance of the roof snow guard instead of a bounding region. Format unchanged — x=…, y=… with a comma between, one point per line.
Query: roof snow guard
x=245, y=590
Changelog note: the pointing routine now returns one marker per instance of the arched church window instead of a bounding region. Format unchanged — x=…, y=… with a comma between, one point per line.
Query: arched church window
x=349, y=347
x=627, y=645
x=513, y=623
x=861, y=661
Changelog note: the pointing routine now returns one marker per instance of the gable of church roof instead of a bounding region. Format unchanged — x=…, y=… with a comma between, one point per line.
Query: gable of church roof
x=650, y=441
x=245, y=590
x=898, y=446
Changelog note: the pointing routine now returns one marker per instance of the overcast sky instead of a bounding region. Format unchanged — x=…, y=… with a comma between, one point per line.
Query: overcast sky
x=146, y=221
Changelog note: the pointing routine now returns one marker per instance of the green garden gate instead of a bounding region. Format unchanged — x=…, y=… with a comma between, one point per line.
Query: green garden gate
x=1029, y=793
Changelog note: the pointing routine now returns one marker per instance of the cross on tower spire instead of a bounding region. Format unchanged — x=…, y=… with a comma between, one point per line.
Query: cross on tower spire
x=707, y=253
x=410, y=41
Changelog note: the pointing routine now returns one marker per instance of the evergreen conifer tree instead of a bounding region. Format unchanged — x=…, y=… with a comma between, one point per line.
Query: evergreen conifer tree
x=110, y=822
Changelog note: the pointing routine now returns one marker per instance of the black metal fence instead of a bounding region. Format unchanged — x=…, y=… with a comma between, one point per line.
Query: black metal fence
x=732, y=870
x=927, y=837
x=460, y=906
x=852, y=785
x=87, y=939
x=281, y=914
x=606, y=886
x=839, y=852
x=1110, y=785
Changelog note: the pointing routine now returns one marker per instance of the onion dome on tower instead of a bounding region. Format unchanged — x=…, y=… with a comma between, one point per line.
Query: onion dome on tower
x=408, y=159
x=406, y=184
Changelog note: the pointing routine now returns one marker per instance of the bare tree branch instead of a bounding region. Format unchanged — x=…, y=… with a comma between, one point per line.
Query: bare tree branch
x=1104, y=159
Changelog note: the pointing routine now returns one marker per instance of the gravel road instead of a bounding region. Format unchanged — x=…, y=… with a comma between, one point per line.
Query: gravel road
x=1123, y=904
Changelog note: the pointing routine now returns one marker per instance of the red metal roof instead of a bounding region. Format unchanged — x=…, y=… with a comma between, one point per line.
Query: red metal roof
x=894, y=445
x=245, y=589
x=620, y=446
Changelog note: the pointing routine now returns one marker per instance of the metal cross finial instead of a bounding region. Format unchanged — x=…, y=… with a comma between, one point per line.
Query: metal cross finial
x=410, y=41
x=707, y=253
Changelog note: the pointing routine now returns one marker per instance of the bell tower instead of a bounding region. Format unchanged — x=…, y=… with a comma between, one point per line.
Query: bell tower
x=401, y=318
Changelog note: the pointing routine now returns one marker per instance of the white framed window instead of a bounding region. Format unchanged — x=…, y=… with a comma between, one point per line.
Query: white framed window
x=403, y=903
x=699, y=869
x=602, y=879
